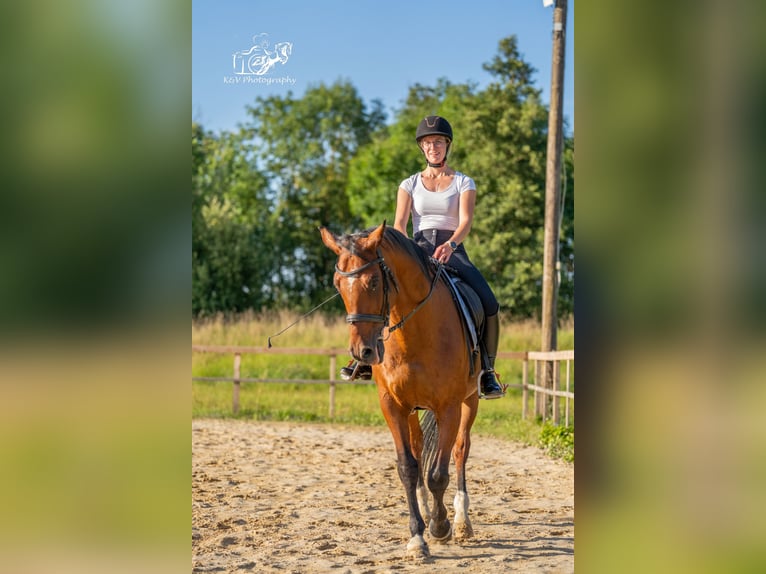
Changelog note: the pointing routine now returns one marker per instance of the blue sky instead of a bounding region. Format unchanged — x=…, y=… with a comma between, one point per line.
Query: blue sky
x=382, y=48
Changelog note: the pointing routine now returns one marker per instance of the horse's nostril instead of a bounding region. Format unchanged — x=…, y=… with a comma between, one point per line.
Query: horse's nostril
x=366, y=353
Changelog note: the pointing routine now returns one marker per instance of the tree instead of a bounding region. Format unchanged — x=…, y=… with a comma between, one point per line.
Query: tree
x=327, y=159
x=304, y=147
x=507, y=127
x=500, y=140
x=230, y=263
x=377, y=170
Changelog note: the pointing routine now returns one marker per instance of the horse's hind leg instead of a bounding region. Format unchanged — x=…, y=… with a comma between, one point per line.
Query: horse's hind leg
x=462, y=528
x=416, y=442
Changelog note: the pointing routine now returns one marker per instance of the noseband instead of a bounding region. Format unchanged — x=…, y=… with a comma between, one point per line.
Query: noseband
x=383, y=317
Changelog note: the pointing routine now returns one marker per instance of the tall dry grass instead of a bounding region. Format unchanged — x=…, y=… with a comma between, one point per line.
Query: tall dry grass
x=323, y=331
x=252, y=329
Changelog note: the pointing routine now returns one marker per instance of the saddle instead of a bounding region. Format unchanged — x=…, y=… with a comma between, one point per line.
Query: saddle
x=471, y=312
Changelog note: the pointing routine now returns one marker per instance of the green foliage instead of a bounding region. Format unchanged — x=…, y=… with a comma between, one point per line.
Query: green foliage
x=229, y=263
x=371, y=189
x=500, y=141
x=327, y=159
x=305, y=146
x=506, y=131
x=376, y=171
x=558, y=441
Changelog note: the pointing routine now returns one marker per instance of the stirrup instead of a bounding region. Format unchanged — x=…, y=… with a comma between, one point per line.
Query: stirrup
x=497, y=394
x=360, y=371
x=347, y=373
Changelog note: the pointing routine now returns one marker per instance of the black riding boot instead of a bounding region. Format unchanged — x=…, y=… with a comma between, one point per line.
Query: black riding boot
x=490, y=387
x=356, y=371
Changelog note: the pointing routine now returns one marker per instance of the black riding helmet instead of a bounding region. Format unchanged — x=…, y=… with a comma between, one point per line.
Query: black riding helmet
x=434, y=126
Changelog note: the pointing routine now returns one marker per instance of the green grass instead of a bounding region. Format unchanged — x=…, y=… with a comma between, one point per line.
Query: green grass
x=354, y=404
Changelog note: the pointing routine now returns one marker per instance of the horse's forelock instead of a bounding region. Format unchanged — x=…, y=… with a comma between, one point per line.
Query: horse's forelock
x=350, y=242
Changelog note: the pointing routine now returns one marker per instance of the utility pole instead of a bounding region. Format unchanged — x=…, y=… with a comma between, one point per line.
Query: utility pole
x=553, y=194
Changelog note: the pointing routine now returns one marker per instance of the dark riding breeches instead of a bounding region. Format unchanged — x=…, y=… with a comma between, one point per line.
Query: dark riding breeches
x=429, y=239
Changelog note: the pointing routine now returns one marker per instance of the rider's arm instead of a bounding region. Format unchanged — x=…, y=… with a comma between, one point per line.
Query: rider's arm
x=403, y=207
x=467, y=202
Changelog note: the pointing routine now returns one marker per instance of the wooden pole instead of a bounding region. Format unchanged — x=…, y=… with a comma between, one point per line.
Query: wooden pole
x=525, y=389
x=566, y=420
x=552, y=192
x=539, y=404
x=332, y=386
x=557, y=387
x=235, y=392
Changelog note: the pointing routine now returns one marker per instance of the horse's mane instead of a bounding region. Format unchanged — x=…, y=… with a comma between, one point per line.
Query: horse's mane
x=394, y=240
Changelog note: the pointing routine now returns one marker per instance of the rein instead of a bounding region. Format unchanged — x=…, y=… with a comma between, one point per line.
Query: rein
x=301, y=318
x=400, y=324
x=385, y=312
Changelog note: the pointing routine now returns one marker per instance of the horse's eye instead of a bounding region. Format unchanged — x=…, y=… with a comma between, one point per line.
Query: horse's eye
x=374, y=283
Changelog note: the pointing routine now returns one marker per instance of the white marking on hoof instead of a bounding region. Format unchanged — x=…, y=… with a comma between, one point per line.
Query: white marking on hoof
x=462, y=528
x=417, y=547
x=461, y=504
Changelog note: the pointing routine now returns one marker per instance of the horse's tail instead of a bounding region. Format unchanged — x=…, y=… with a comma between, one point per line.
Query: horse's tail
x=430, y=440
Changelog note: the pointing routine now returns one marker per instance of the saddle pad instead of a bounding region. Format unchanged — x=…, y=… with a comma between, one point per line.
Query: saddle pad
x=471, y=309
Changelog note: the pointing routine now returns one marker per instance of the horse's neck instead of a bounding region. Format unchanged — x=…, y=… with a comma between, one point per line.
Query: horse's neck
x=413, y=286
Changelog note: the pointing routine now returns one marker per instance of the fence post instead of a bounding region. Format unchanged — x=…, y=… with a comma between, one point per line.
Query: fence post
x=524, y=387
x=539, y=411
x=332, y=385
x=566, y=405
x=235, y=391
x=556, y=387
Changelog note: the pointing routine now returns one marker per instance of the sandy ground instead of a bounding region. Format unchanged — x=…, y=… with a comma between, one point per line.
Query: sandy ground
x=284, y=497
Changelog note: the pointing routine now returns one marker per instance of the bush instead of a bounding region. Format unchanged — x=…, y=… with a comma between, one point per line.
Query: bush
x=558, y=441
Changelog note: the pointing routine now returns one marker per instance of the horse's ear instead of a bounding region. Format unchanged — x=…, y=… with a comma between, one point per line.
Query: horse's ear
x=371, y=242
x=330, y=240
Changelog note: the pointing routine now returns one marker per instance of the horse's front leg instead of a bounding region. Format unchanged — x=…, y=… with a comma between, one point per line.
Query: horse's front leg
x=438, y=474
x=407, y=465
x=462, y=527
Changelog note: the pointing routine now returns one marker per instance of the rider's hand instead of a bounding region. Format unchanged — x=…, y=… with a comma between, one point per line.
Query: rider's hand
x=443, y=252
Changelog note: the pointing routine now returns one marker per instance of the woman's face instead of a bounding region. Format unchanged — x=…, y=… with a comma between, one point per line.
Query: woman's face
x=434, y=147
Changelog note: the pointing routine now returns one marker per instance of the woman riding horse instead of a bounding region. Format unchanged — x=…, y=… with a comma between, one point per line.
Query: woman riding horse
x=441, y=202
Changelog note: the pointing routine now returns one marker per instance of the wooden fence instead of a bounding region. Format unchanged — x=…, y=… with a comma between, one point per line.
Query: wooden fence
x=547, y=397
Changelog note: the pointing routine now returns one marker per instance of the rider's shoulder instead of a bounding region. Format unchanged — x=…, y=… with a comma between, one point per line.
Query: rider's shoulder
x=464, y=182
x=409, y=182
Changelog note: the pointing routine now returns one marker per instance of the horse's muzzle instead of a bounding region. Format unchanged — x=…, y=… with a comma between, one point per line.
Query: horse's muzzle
x=368, y=354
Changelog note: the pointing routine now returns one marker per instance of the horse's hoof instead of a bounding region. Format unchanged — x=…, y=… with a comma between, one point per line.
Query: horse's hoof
x=462, y=532
x=417, y=549
x=440, y=535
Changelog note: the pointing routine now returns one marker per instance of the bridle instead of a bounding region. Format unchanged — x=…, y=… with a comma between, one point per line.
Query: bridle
x=385, y=312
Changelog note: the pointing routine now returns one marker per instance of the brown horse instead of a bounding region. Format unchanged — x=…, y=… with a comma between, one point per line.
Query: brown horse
x=403, y=322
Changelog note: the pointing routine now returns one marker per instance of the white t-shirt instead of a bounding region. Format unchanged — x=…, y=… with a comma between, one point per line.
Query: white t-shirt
x=436, y=209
